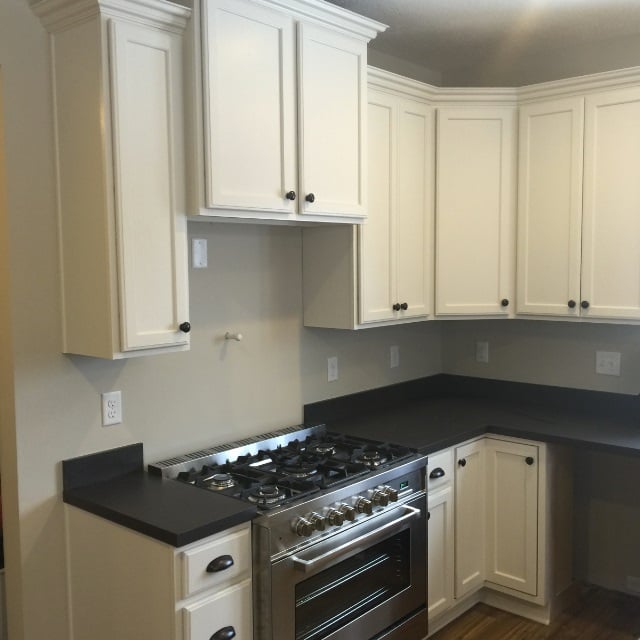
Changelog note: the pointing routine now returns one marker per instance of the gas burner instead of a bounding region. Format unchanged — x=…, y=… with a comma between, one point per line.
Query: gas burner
x=221, y=481
x=371, y=457
x=266, y=495
x=294, y=470
x=321, y=448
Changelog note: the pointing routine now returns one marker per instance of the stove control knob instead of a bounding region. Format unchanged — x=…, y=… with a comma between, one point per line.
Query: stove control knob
x=317, y=521
x=348, y=512
x=303, y=527
x=363, y=505
x=379, y=497
x=392, y=494
x=335, y=518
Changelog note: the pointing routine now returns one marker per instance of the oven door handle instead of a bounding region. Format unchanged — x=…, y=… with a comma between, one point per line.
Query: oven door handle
x=365, y=539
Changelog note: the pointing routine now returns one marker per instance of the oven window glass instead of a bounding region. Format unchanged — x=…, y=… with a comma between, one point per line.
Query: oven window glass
x=334, y=597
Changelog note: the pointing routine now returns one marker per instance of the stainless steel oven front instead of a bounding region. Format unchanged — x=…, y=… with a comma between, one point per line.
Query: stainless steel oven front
x=366, y=581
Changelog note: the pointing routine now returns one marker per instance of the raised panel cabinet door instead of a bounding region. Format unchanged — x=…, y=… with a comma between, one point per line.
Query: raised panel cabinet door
x=475, y=210
x=550, y=207
x=377, y=241
x=611, y=218
x=440, y=559
x=250, y=107
x=512, y=515
x=146, y=81
x=332, y=122
x=414, y=209
x=470, y=518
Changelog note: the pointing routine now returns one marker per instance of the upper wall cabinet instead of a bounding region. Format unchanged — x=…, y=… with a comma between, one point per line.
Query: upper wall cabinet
x=578, y=227
x=118, y=74
x=283, y=101
x=382, y=270
x=475, y=210
x=550, y=206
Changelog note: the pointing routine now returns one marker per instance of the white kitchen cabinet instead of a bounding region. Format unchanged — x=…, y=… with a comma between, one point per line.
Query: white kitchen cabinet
x=113, y=593
x=440, y=553
x=475, y=211
x=117, y=77
x=550, y=207
x=611, y=224
x=381, y=271
x=512, y=514
x=284, y=111
x=578, y=228
x=470, y=517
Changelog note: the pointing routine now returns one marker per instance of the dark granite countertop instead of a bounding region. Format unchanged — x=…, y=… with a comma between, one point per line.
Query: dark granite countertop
x=448, y=410
x=113, y=484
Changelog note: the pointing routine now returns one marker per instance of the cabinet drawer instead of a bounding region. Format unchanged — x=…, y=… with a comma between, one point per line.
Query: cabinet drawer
x=440, y=466
x=234, y=547
x=228, y=608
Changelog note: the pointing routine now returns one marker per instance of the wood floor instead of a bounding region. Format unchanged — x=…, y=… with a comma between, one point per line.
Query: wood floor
x=596, y=615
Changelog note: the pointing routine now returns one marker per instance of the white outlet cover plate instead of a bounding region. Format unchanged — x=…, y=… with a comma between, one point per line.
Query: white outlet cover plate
x=394, y=356
x=608, y=363
x=482, y=351
x=111, y=408
x=332, y=369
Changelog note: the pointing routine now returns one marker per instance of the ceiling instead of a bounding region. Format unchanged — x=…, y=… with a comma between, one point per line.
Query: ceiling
x=504, y=42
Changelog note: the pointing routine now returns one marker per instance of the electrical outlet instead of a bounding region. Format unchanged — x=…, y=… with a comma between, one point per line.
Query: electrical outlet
x=332, y=369
x=394, y=356
x=111, y=408
x=608, y=363
x=482, y=352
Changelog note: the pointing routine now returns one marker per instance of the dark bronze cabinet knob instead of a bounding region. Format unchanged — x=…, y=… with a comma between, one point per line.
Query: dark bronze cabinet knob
x=404, y=306
x=462, y=462
x=529, y=460
x=310, y=197
x=571, y=304
x=185, y=327
x=396, y=306
x=584, y=304
x=504, y=302
x=290, y=195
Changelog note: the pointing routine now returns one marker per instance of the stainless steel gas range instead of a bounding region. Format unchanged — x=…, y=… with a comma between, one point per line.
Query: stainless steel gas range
x=339, y=545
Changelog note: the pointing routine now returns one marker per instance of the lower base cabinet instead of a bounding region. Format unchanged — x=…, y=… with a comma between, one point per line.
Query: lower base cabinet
x=153, y=590
x=497, y=531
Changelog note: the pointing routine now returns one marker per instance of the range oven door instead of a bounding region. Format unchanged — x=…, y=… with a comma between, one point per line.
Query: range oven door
x=365, y=582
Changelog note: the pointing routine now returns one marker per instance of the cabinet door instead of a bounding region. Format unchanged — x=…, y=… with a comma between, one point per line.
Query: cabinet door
x=512, y=515
x=470, y=518
x=440, y=551
x=414, y=209
x=250, y=106
x=611, y=220
x=146, y=66
x=475, y=211
x=377, y=244
x=550, y=207
x=332, y=117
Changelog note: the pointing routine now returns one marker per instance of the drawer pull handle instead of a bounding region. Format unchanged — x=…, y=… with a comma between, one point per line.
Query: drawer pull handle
x=226, y=633
x=220, y=564
x=438, y=472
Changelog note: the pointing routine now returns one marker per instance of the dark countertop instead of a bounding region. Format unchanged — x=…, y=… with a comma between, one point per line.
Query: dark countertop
x=169, y=511
x=446, y=410
x=428, y=414
x=437, y=423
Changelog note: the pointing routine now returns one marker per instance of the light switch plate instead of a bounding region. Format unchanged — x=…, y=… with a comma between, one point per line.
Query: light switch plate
x=332, y=369
x=199, y=259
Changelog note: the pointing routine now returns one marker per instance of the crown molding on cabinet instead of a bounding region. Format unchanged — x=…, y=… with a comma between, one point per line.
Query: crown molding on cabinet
x=331, y=15
x=58, y=15
x=581, y=85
